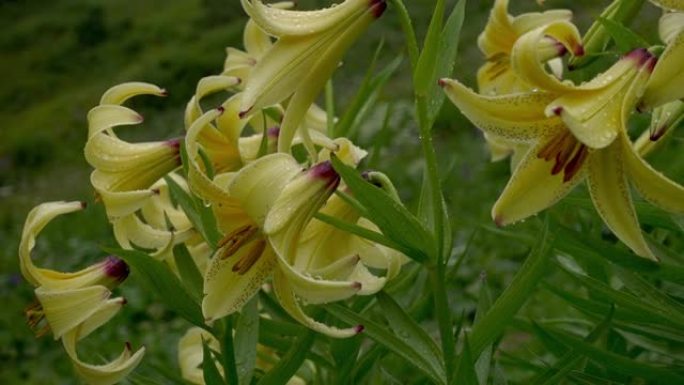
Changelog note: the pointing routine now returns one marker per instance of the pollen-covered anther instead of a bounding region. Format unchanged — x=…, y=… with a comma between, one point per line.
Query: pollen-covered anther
x=232, y=242
x=245, y=263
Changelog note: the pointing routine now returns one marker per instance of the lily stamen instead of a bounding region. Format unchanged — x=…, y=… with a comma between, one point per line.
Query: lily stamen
x=567, y=153
x=232, y=242
x=245, y=263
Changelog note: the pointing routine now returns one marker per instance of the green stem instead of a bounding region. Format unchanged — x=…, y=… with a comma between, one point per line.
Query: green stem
x=443, y=319
x=228, y=352
x=432, y=174
x=410, y=34
x=330, y=108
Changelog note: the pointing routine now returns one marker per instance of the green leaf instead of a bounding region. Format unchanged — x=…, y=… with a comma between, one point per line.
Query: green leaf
x=393, y=219
x=630, y=302
x=407, y=329
x=246, y=339
x=625, y=39
x=555, y=374
x=381, y=335
x=209, y=369
x=158, y=279
x=618, y=363
x=189, y=273
x=484, y=303
x=426, y=212
x=200, y=215
x=516, y=294
x=465, y=372
x=290, y=362
x=425, y=70
x=446, y=58
x=366, y=97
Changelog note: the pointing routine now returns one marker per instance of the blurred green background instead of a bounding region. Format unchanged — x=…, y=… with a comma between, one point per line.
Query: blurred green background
x=58, y=57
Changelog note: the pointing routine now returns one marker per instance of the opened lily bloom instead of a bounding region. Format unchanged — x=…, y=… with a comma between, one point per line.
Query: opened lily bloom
x=496, y=76
x=276, y=201
x=75, y=304
x=576, y=132
x=125, y=171
x=309, y=48
x=496, y=42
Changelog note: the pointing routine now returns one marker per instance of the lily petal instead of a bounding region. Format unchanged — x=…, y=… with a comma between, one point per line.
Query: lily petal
x=278, y=21
x=66, y=309
x=667, y=81
x=119, y=94
x=518, y=117
x=227, y=288
x=534, y=186
x=527, y=60
x=651, y=184
x=288, y=300
x=610, y=193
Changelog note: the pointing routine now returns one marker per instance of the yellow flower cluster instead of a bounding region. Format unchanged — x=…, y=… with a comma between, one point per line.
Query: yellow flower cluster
x=240, y=163
x=562, y=133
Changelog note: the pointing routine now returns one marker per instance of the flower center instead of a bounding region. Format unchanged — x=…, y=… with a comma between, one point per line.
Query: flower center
x=35, y=318
x=233, y=241
x=567, y=153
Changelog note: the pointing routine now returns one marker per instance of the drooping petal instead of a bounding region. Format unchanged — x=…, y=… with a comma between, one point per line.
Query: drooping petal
x=651, y=184
x=288, y=300
x=612, y=199
x=295, y=61
x=502, y=30
x=66, y=309
x=119, y=94
x=278, y=21
x=528, y=61
x=111, y=372
x=534, y=186
x=36, y=220
x=667, y=81
x=518, y=117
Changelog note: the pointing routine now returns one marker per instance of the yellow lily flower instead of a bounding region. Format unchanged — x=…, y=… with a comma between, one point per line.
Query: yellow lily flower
x=240, y=63
x=576, y=132
x=191, y=356
x=245, y=258
x=309, y=47
x=75, y=304
x=496, y=76
x=496, y=42
x=125, y=171
x=667, y=82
